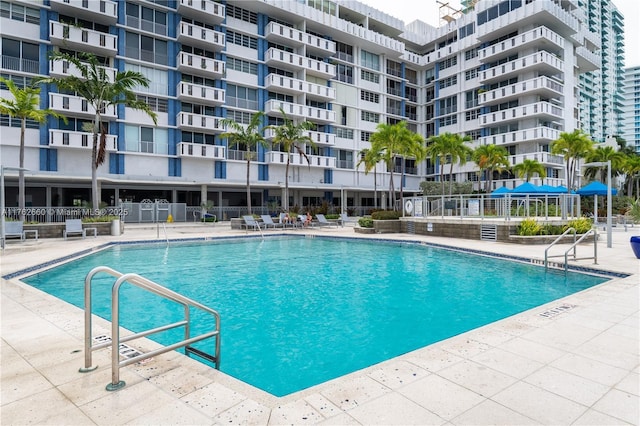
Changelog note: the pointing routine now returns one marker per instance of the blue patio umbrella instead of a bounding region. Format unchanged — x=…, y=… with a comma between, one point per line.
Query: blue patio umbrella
x=500, y=192
x=526, y=188
x=595, y=188
x=548, y=189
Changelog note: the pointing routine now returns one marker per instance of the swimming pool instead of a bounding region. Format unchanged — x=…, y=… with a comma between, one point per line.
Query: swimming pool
x=299, y=311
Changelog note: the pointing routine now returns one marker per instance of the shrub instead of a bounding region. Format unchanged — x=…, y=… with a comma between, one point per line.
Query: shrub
x=365, y=222
x=332, y=216
x=529, y=227
x=581, y=225
x=105, y=218
x=386, y=215
x=549, y=229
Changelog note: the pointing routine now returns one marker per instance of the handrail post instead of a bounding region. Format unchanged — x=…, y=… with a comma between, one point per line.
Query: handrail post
x=116, y=383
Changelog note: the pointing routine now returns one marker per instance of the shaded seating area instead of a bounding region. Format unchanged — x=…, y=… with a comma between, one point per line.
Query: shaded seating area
x=15, y=229
x=74, y=227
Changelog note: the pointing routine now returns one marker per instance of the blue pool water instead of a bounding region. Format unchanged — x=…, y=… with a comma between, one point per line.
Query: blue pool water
x=299, y=311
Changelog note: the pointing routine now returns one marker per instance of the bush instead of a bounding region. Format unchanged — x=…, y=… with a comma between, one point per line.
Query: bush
x=365, y=222
x=529, y=227
x=581, y=225
x=105, y=218
x=386, y=215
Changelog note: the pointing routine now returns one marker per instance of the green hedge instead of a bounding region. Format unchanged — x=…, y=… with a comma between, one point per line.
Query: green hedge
x=365, y=222
x=386, y=215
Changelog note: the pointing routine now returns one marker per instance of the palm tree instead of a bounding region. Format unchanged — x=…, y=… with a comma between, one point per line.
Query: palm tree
x=604, y=154
x=452, y=146
x=250, y=136
x=24, y=106
x=631, y=167
x=391, y=140
x=290, y=135
x=101, y=91
x=414, y=148
x=572, y=146
x=491, y=158
x=370, y=160
x=528, y=167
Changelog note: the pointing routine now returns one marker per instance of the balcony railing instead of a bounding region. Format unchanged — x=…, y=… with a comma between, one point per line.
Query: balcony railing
x=276, y=157
x=517, y=43
x=62, y=68
x=273, y=106
x=208, y=10
x=199, y=93
x=542, y=85
x=525, y=111
x=542, y=157
x=292, y=61
x=540, y=61
x=77, y=106
x=545, y=134
x=84, y=39
x=80, y=140
x=200, y=65
x=19, y=64
x=198, y=150
x=291, y=36
x=103, y=11
x=280, y=83
x=198, y=36
x=199, y=122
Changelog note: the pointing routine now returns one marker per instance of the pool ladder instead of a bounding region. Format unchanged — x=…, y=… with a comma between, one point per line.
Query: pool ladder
x=592, y=231
x=116, y=341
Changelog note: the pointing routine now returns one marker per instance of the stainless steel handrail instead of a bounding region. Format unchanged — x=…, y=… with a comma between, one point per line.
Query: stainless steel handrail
x=573, y=246
x=161, y=291
x=546, y=251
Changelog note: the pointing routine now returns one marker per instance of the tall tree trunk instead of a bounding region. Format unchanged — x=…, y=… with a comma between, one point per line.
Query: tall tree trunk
x=451, y=178
x=285, y=202
x=375, y=189
x=402, y=179
x=21, y=201
x=392, y=201
x=95, y=196
x=248, y=183
x=442, y=175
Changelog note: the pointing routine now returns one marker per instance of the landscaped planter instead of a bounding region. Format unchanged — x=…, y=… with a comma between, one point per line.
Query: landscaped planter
x=359, y=230
x=387, y=226
x=55, y=230
x=635, y=245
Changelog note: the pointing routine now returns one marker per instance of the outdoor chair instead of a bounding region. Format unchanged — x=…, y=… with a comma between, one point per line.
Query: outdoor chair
x=250, y=222
x=322, y=220
x=268, y=222
x=74, y=227
x=16, y=229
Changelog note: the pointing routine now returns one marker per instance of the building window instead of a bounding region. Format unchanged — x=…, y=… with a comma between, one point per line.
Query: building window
x=240, y=117
x=448, y=63
x=149, y=140
x=20, y=13
x=429, y=75
x=159, y=79
x=448, y=105
x=471, y=53
x=241, y=14
x=20, y=56
x=241, y=65
x=344, y=133
x=473, y=134
x=371, y=117
x=365, y=136
x=344, y=52
x=243, y=40
x=241, y=97
x=449, y=81
x=370, y=76
x=344, y=73
x=472, y=73
x=369, y=96
x=146, y=19
x=145, y=48
x=448, y=121
x=471, y=115
x=369, y=60
x=156, y=104
x=394, y=68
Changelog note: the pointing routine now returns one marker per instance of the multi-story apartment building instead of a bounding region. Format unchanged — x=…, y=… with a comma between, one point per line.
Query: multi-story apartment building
x=505, y=73
x=631, y=132
x=601, y=96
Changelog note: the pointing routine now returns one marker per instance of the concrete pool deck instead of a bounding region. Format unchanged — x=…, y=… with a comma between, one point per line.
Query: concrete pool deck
x=572, y=366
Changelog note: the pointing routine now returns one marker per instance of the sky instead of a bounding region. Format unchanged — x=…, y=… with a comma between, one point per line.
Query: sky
x=428, y=11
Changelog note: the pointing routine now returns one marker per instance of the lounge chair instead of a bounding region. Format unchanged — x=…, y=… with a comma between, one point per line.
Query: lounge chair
x=344, y=219
x=16, y=229
x=322, y=221
x=291, y=224
x=74, y=227
x=268, y=222
x=250, y=222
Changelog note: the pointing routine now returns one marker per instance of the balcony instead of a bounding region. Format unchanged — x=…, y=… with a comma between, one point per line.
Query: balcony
x=194, y=35
x=198, y=150
x=316, y=115
x=199, y=123
x=70, y=105
x=540, y=110
x=62, y=68
x=200, y=94
x=82, y=39
x=102, y=11
x=292, y=62
x=202, y=10
x=78, y=140
x=543, y=86
x=541, y=35
x=318, y=138
x=276, y=157
x=199, y=65
x=279, y=33
x=18, y=64
x=544, y=158
x=536, y=134
x=281, y=84
x=541, y=62
x=587, y=60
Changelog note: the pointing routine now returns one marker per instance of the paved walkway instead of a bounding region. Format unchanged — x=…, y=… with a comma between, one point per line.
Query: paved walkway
x=580, y=366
